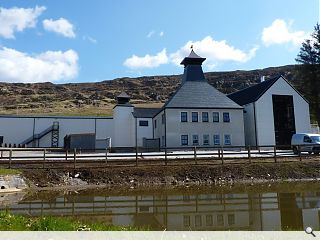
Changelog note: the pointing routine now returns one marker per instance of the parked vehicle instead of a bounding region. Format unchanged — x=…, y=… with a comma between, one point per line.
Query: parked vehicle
x=305, y=142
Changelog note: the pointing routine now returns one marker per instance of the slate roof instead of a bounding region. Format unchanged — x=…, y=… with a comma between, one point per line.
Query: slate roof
x=145, y=112
x=199, y=94
x=253, y=93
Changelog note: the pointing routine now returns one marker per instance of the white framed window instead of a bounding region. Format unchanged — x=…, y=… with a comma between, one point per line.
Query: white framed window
x=184, y=140
x=227, y=139
x=215, y=117
x=216, y=139
x=184, y=116
x=226, y=117
x=195, y=139
x=205, y=117
x=195, y=117
x=143, y=123
x=206, y=139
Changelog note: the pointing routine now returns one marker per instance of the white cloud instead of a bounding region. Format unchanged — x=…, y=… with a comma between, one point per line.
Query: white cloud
x=161, y=34
x=17, y=19
x=49, y=66
x=90, y=39
x=279, y=33
x=149, y=35
x=214, y=51
x=61, y=26
x=147, y=61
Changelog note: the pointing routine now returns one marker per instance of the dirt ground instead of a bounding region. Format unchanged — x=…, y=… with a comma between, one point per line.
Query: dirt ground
x=146, y=176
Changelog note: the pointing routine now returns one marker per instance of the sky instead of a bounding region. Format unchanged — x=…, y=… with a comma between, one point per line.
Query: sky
x=96, y=40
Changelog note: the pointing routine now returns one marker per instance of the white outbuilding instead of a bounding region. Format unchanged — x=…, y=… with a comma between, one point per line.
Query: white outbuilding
x=273, y=111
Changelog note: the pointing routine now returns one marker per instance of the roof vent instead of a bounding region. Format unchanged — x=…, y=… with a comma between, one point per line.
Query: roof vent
x=262, y=78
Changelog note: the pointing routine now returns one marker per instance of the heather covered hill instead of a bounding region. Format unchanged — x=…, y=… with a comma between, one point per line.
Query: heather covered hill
x=98, y=98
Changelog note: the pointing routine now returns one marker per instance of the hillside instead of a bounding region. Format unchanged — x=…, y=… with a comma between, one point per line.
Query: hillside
x=98, y=98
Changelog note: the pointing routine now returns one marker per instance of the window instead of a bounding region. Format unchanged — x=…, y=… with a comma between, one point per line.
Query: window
x=163, y=118
x=184, y=117
x=216, y=139
x=186, y=221
x=205, y=117
x=155, y=123
x=226, y=117
x=215, y=117
x=220, y=220
x=307, y=139
x=195, y=140
x=205, y=139
x=143, y=123
x=198, y=222
x=209, y=220
x=194, y=117
x=231, y=219
x=184, y=140
x=227, y=139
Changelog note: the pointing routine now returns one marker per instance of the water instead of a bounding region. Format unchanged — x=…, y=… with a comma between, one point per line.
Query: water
x=259, y=207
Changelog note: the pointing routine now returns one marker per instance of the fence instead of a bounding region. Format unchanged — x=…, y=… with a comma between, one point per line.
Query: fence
x=59, y=158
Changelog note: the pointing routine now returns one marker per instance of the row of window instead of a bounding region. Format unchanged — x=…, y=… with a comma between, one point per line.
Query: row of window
x=208, y=220
x=204, y=117
x=205, y=139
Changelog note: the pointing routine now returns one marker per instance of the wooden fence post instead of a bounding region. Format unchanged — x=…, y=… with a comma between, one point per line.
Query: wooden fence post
x=74, y=157
x=249, y=153
x=195, y=154
x=106, y=155
x=136, y=156
x=275, y=153
x=222, y=156
x=1, y=153
x=299, y=151
x=218, y=152
x=44, y=157
x=10, y=157
x=66, y=154
x=165, y=157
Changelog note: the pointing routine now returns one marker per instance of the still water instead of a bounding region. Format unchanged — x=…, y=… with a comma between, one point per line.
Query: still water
x=261, y=207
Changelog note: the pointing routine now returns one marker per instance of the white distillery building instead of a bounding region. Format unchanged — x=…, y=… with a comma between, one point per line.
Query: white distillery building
x=196, y=115
x=273, y=111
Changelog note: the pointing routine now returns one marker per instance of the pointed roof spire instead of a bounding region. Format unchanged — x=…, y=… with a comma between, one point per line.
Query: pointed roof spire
x=192, y=59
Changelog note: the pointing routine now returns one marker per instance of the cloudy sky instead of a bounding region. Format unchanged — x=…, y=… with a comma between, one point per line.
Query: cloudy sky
x=85, y=41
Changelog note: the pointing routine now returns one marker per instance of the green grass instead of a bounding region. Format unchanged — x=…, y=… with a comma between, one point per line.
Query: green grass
x=11, y=222
x=4, y=171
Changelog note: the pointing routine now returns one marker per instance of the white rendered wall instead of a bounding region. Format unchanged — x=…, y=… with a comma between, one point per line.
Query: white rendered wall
x=144, y=131
x=175, y=128
x=124, y=127
x=249, y=125
x=17, y=129
x=159, y=130
x=264, y=112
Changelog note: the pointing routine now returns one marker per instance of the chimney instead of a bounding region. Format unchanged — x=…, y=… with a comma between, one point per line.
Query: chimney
x=262, y=78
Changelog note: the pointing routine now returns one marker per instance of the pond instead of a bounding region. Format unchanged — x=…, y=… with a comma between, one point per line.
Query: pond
x=245, y=207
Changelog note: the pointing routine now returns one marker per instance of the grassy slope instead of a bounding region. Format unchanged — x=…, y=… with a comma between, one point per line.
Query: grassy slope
x=10, y=222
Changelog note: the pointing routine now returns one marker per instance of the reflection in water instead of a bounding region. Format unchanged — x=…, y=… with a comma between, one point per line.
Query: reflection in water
x=209, y=211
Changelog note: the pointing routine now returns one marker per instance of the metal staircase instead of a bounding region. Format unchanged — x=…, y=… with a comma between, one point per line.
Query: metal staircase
x=54, y=129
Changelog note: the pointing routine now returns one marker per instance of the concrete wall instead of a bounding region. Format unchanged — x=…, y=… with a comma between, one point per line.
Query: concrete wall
x=124, y=127
x=249, y=125
x=17, y=129
x=176, y=128
x=144, y=131
x=159, y=131
x=264, y=112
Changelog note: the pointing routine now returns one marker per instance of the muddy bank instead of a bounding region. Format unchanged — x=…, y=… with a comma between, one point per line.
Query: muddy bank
x=152, y=176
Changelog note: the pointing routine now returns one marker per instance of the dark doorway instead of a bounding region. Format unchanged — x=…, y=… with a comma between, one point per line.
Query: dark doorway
x=283, y=116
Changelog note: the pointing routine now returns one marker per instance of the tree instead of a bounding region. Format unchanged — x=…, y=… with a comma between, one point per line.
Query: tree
x=309, y=71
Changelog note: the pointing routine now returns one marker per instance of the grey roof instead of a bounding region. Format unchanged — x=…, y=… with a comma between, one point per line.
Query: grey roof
x=199, y=94
x=193, y=58
x=145, y=112
x=123, y=95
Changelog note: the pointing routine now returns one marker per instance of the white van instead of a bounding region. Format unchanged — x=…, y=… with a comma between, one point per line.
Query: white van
x=308, y=142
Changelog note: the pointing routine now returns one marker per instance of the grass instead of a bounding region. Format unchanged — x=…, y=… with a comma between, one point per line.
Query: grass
x=11, y=222
x=5, y=171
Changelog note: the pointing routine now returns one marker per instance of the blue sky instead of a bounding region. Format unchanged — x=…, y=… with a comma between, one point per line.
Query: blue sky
x=85, y=41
